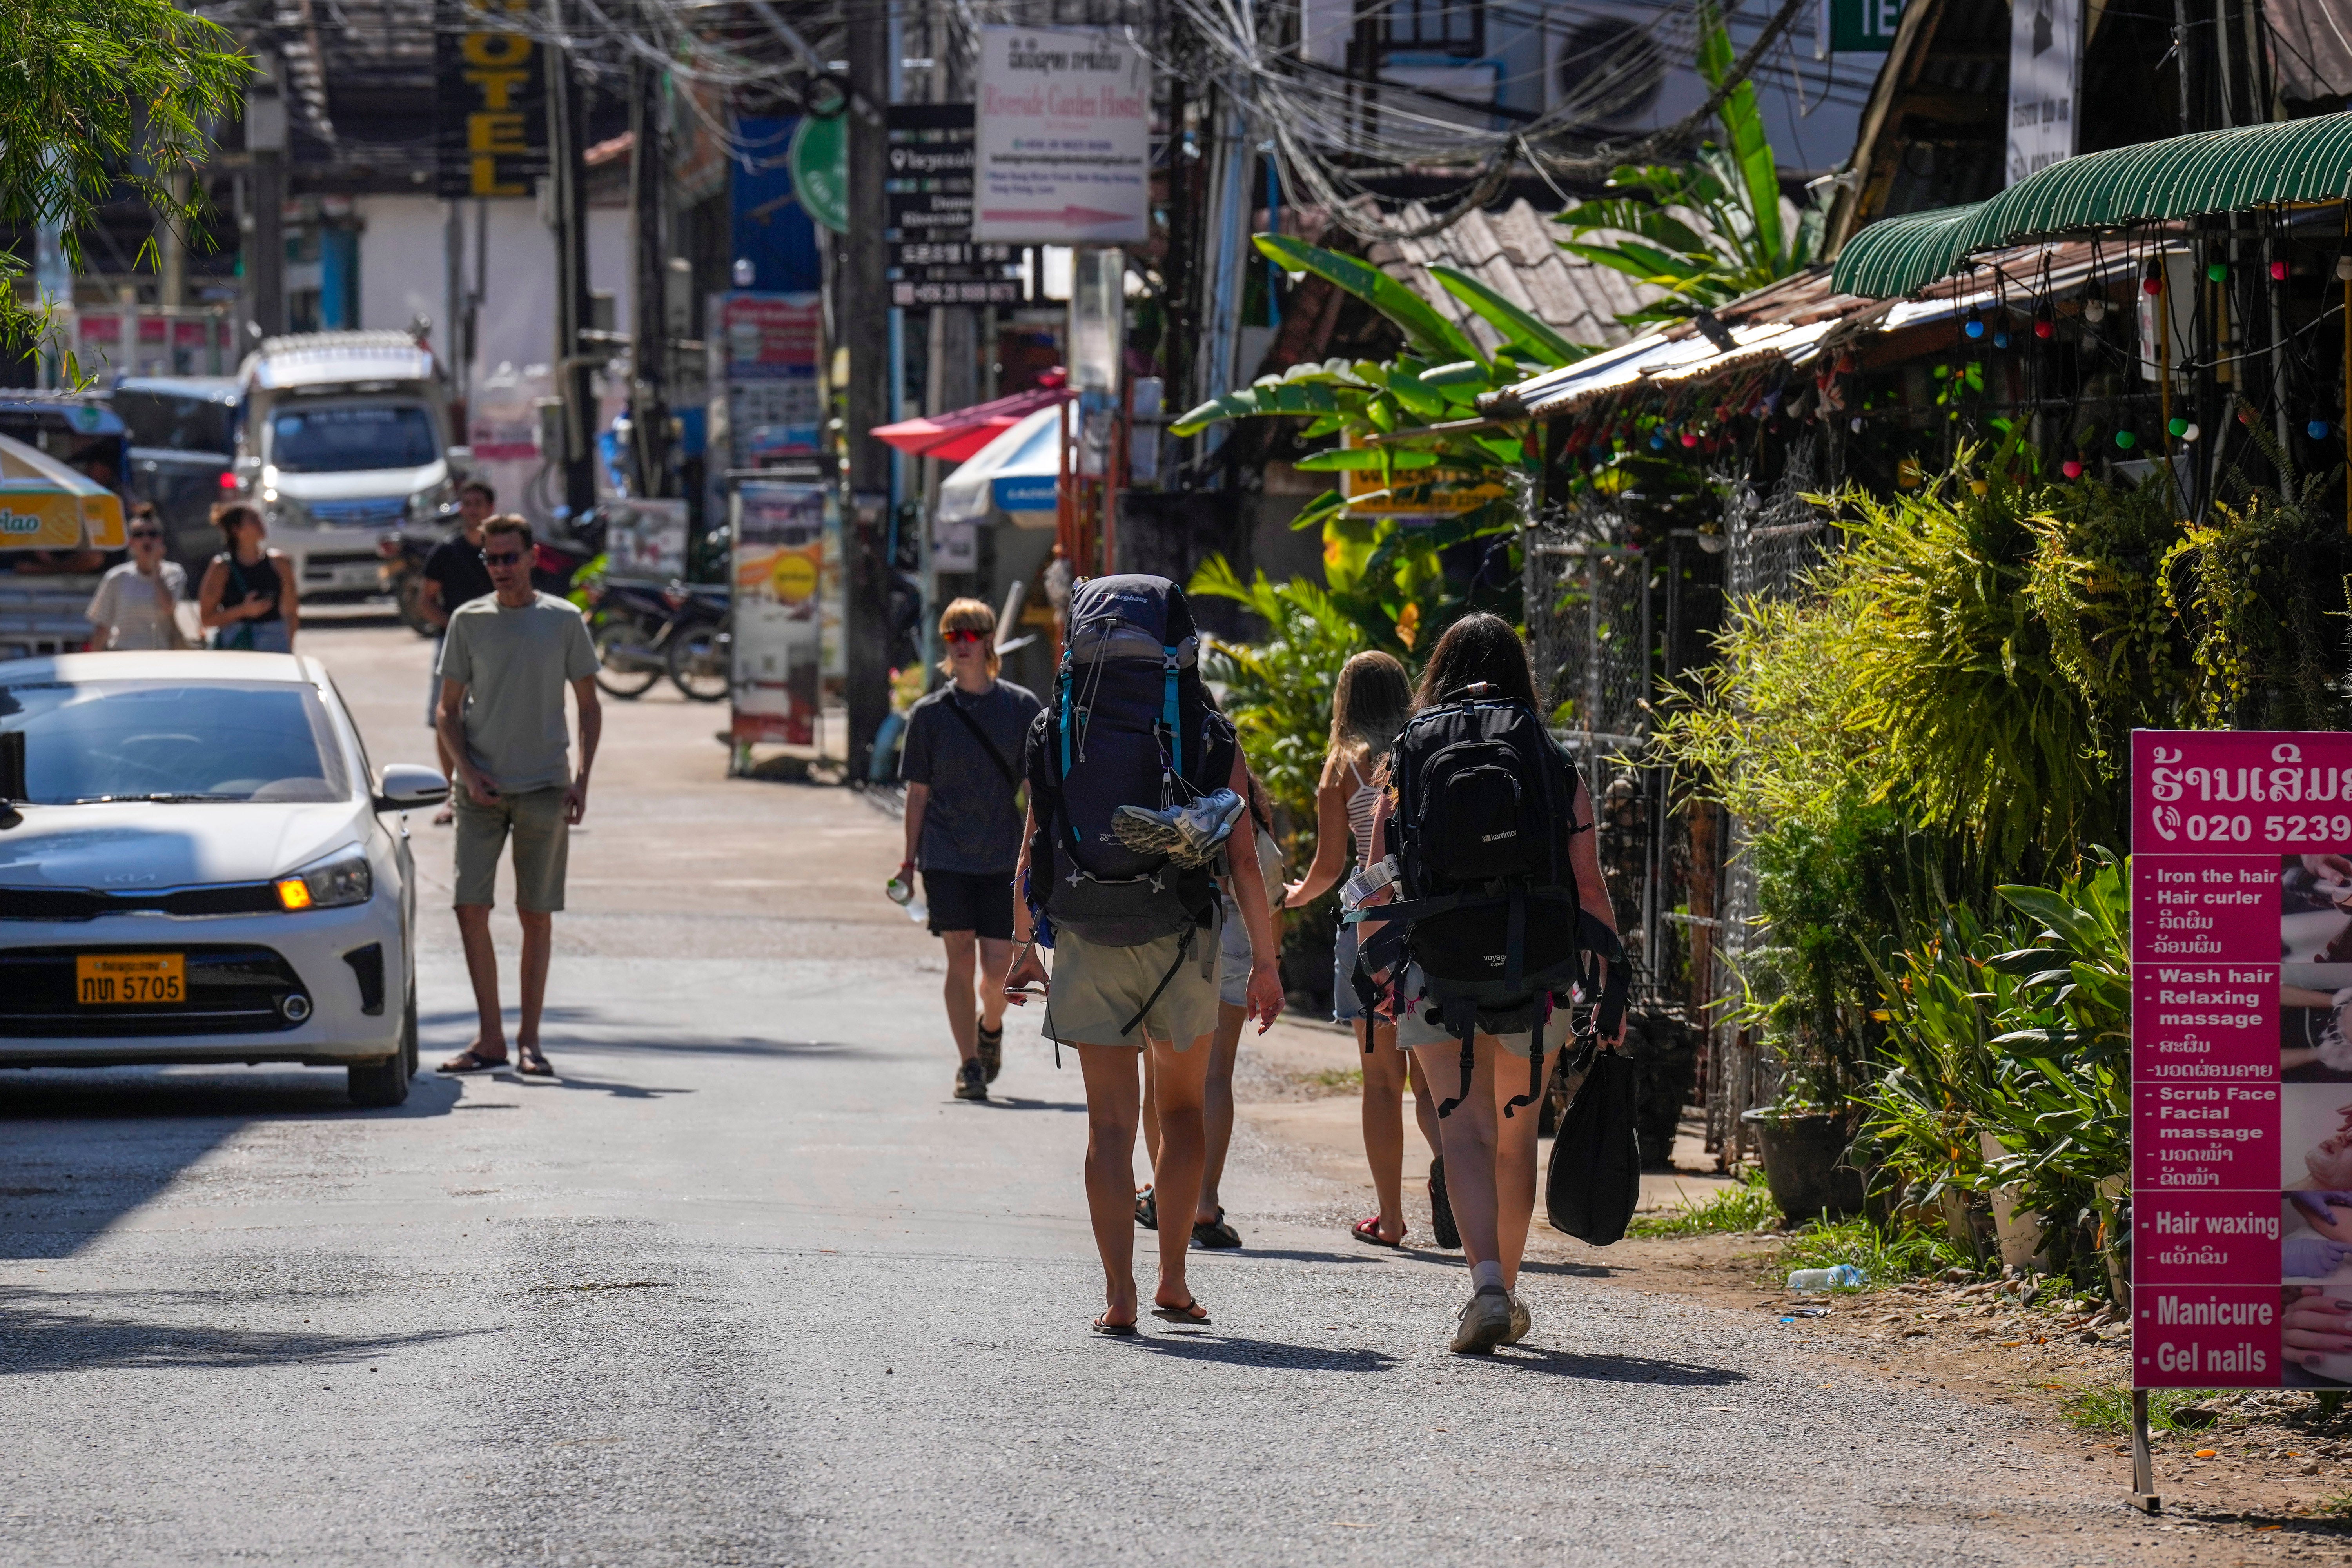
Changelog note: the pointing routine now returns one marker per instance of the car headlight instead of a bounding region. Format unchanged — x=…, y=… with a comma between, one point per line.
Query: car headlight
x=426, y=505
x=343, y=878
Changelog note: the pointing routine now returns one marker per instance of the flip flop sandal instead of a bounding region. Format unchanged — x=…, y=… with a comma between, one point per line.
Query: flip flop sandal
x=1103, y=1325
x=1189, y=1312
x=1368, y=1231
x=468, y=1060
x=1147, y=1209
x=1215, y=1233
x=532, y=1064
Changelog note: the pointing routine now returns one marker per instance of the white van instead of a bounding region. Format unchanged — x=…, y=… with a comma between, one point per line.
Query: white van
x=343, y=437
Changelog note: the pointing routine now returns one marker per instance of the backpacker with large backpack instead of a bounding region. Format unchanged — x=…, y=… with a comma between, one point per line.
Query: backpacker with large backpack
x=1129, y=725
x=1487, y=907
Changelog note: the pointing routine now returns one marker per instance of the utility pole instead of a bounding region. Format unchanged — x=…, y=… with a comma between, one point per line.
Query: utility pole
x=648, y=310
x=265, y=246
x=567, y=178
x=863, y=303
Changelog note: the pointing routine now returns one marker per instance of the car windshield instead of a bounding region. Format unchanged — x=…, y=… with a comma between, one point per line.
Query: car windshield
x=88, y=741
x=176, y=421
x=350, y=437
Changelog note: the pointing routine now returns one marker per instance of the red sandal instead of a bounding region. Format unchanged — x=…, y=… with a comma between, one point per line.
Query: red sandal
x=1368, y=1230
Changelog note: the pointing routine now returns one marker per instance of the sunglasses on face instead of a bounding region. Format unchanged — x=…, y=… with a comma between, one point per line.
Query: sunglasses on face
x=502, y=558
x=959, y=638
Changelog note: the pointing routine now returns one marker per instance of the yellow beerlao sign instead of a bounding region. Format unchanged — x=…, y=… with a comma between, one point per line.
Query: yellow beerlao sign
x=795, y=577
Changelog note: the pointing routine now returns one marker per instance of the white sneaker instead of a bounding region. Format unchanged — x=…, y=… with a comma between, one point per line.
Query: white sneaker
x=1521, y=1321
x=1486, y=1322
x=1188, y=835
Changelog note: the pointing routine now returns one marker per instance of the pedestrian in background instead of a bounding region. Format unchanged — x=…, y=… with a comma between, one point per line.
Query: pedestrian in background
x=248, y=600
x=1235, y=959
x=453, y=576
x=1490, y=1158
x=1369, y=709
x=964, y=829
x=505, y=661
x=137, y=604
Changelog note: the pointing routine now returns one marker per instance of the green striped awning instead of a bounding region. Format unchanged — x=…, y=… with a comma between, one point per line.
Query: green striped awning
x=1897, y=255
x=2186, y=176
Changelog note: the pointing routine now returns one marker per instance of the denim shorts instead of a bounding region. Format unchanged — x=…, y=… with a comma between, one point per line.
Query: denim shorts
x=1345, y=1008
x=1233, y=957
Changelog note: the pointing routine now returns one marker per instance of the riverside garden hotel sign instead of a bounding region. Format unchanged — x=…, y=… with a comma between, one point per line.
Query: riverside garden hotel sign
x=2241, y=1058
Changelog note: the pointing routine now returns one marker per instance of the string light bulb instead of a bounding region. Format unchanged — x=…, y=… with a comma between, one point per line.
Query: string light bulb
x=2216, y=271
x=2095, y=311
x=2317, y=430
x=2152, y=280
x=1974, y=326
x=2278, y=271
x=2072, y=467
x=2125, y=440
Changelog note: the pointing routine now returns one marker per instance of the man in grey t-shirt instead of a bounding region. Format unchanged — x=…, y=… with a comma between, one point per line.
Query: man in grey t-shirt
x=505, y=662
x=962, y=765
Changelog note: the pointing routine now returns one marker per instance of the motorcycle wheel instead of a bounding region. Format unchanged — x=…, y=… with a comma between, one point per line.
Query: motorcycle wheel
x=615, y=673
x=404, y=602
x=701, y=663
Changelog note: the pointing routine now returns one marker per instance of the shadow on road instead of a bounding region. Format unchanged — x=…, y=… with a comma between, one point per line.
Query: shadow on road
x=37, y=1336
x=1207, y=1344
x=1620, y=1368
x=86, y=1146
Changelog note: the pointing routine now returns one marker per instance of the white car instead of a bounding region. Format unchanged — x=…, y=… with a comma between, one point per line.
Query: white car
x=196, y=866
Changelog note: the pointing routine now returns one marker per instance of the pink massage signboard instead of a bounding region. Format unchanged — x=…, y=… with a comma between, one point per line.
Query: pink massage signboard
x=2241, y=1058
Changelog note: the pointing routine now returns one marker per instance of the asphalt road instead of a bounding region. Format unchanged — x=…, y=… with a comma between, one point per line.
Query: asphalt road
x=748, y=1286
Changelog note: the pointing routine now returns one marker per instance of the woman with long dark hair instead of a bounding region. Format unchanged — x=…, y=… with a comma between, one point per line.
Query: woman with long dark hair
x=1490, y=1159
x=1369, y=705
x=248, y=599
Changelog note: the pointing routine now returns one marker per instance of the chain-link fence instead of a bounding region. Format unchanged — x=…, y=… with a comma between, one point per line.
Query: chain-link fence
x=1772, y=541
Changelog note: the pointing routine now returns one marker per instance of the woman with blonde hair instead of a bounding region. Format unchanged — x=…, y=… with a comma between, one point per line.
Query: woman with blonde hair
x=1369, y=709
x=961, y=766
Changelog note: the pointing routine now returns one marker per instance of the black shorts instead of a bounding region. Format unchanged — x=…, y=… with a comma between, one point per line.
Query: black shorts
x=962, y=901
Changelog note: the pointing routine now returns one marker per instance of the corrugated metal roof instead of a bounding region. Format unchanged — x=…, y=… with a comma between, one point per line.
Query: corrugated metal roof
x=2182, y=176
x=1797, y=321
x=1516, y=253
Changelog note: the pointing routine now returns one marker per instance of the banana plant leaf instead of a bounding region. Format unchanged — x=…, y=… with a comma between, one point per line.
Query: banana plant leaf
x=1520, y=328
x=1422, y=327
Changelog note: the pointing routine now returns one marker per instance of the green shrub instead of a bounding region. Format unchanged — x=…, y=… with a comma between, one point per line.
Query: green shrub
x=1742, y=1207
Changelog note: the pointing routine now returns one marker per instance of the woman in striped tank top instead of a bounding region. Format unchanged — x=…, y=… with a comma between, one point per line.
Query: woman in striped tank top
x=1369, y=709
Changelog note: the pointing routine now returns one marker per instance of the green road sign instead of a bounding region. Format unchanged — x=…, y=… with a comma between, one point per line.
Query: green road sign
x=820, y=165
x=1864, y=26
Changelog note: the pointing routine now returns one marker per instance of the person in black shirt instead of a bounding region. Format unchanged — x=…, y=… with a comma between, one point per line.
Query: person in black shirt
x=963, y=828
x=248, y=599
x=454, y=574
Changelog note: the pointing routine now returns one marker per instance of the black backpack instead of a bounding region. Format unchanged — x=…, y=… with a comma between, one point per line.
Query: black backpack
x=1488, y=898
x=1129, y=725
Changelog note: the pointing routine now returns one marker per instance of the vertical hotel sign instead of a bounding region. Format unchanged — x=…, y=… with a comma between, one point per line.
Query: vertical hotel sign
x=490, y=118
x=2241, y=1058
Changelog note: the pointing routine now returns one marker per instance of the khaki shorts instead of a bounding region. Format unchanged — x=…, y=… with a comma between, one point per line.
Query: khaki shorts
x=542, y=841
x=1096, y=989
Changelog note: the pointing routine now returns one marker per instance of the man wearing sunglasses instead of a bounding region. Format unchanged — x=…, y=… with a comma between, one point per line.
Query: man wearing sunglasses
x=963, y=828
x=136, y=602
x=505, y=662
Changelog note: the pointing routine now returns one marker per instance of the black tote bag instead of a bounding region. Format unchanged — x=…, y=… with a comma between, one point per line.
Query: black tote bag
x=1595, y=1181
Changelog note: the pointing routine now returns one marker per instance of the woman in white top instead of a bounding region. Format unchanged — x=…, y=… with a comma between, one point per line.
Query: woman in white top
x=136, y=605
x=1369, y=709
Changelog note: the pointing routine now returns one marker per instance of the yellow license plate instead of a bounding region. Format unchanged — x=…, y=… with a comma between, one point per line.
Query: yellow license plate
x=131, y=979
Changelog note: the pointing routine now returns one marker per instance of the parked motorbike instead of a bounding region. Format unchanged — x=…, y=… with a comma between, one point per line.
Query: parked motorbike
x=643, y=631
x=400, y=568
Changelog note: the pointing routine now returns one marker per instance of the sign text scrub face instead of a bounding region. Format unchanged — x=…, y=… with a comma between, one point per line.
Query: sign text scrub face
x=2242, y=1069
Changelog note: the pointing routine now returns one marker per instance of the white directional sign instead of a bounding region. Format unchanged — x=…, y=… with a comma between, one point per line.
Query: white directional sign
x=1064, y=139
x=2044, y=48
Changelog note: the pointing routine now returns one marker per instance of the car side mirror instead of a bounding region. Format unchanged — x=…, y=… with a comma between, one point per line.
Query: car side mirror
x=403, y=786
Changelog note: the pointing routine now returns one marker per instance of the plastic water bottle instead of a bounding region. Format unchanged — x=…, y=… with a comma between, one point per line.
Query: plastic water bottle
x=900, y=890
x=1366, y=882
x=1844, y=1276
